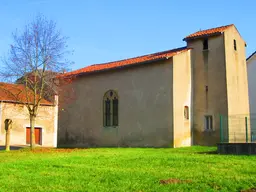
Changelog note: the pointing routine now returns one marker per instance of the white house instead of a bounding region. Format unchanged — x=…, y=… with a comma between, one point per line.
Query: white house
x=251, y=69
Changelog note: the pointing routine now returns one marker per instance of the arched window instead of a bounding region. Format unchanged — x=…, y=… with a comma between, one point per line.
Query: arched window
x=110, y=108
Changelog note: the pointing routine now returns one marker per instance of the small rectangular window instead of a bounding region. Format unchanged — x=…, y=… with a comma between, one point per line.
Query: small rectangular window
x=205, y=44
x=115, y=112
x=208, y=125
x=186, y=112
x=234, y=44
x=107, y=113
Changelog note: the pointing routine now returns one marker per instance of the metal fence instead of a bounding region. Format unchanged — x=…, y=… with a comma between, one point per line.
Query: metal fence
x=238, y=128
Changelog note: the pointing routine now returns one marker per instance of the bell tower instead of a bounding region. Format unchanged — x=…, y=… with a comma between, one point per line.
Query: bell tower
x=219, y=81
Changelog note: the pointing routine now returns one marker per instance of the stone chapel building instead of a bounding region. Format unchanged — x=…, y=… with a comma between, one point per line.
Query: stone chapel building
x=172, y=98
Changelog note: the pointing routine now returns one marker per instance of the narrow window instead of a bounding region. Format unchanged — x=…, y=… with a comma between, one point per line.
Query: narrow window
x=234, y=44
x=115, y=111
x=208, y=122
x=110, y=108
x=205, y=44
x=186, y=112
x=107, y=113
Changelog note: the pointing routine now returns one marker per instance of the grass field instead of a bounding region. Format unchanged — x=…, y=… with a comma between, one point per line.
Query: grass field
x=125, y=169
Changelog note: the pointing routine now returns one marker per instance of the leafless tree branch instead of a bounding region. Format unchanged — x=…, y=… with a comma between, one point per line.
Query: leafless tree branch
x=35, y=57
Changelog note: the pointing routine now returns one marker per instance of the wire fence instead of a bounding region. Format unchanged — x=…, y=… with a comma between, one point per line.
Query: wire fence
x=238, y=128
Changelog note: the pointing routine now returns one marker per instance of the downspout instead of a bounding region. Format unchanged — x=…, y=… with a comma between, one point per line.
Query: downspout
x=191, y=111
x=55, y=128
x=1, y=103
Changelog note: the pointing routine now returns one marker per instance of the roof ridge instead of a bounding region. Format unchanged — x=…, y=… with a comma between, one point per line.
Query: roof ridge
x=209, y=31
x=12, y=84
x=150, y=54
x=223, y=26
x=126, y=62
x=13, y=92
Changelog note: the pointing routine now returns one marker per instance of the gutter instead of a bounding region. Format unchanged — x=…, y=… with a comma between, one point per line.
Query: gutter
x=17, y=102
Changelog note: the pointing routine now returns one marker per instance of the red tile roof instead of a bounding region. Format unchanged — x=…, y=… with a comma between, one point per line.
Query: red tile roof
x=207, y=32
x=126, y=62
x=16, y=93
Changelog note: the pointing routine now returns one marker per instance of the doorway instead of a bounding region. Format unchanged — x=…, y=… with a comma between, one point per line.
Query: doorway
x=38, y=135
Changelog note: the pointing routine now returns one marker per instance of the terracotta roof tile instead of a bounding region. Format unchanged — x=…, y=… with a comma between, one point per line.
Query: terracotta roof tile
x=207, y=32
x=15, y=93
x=126, y=62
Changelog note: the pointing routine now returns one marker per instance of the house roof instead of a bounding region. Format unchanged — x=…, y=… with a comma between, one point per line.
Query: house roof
x=16, y=93
x=126, y=62
x=207, y=32
x=253, y=55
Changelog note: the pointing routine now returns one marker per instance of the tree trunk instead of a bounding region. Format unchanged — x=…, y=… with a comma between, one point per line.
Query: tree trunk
x=8, y=123
x=32, y=132
x=7, y=140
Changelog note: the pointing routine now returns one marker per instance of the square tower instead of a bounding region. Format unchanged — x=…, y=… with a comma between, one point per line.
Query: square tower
x=219, y=82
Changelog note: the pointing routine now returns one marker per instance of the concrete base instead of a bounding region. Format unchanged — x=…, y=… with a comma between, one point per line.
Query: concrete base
x=237, y=148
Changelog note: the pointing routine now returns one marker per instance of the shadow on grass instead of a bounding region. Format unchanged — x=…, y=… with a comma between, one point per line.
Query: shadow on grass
x=208, y=152
x=2, y=147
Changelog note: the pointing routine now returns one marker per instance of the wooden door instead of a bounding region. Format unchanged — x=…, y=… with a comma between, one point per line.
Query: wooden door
x=38, y=135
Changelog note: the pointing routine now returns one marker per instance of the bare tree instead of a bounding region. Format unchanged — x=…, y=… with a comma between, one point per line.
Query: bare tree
x=35, y=57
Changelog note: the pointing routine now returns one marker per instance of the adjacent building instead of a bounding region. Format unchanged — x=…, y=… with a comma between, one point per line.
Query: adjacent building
x=12, y=99
x=251, y=68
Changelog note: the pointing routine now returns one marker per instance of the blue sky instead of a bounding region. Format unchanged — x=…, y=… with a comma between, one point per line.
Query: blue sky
x=107, y=30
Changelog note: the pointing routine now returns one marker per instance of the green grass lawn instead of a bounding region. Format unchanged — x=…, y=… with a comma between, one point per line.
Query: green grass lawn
x=125, y=169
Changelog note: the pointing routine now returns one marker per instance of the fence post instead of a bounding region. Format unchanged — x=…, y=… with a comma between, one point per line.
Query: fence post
x=221, y=132
x=246, y=128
